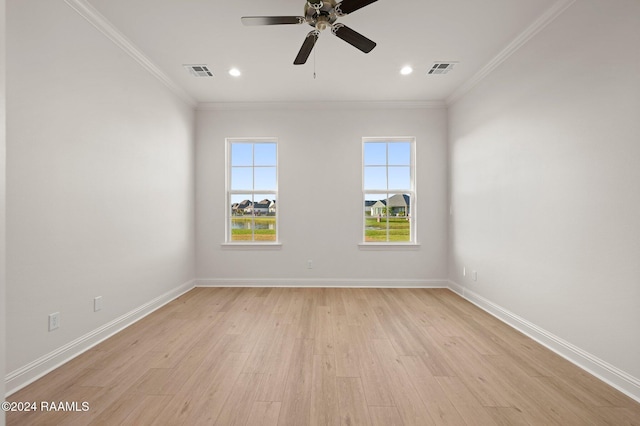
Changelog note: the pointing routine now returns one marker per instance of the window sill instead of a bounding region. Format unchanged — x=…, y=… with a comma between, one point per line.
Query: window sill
x=251, y=246
x=389, y=246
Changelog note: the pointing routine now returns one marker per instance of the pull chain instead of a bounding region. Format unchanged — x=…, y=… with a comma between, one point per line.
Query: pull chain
x=314, y=64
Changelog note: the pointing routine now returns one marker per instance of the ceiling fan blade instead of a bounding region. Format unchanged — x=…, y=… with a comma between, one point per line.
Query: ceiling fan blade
x=349, y=6
x=307, y=47
x=272, y=20
x=352, y=37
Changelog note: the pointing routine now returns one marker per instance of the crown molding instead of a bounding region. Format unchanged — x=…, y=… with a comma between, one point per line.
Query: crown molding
x=91, y=14
x=368, y=105
x=538, y=25
x=87, y=11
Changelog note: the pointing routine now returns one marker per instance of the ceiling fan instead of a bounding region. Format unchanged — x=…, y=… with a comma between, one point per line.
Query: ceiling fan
x=320, y=14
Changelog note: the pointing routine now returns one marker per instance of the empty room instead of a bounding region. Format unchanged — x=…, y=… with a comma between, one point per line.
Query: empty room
x=322, y=212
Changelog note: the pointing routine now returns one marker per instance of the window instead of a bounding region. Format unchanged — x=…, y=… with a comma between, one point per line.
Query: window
x=389, y=190
x=252, y=190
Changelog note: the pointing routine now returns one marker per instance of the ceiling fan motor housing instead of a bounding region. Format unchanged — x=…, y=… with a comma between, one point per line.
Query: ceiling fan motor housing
x=320, y=14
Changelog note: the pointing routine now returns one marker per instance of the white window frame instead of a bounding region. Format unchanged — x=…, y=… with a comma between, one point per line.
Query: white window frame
x=229, y=192
x=412, y=192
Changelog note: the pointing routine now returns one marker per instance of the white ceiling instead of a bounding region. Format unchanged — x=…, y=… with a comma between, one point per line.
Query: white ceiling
x=408, y=32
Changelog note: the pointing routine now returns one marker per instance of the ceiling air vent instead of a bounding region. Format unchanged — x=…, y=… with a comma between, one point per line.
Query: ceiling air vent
x=442, y=67
x=199, y=70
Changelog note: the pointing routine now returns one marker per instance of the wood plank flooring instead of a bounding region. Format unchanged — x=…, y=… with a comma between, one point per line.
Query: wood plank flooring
x=291, y=356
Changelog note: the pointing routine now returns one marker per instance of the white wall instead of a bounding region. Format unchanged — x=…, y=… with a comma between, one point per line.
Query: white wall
x=545, y=182
x=100, y=180
x=320, y=194
x=3, y=196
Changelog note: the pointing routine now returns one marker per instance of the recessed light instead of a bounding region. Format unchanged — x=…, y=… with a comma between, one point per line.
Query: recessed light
x=235, y=72
x=406, y=70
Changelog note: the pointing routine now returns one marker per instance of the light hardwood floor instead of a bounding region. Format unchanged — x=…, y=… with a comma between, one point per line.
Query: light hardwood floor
x=288, y=356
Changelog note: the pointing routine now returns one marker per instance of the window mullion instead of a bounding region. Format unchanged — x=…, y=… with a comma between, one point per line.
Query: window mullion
x=387, y=168
x=253, y=192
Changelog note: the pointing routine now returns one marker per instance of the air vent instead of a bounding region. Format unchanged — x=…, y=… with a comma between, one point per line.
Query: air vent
x=442, y=67
x=199, y=70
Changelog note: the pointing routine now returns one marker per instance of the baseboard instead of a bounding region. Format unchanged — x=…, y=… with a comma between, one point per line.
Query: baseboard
x=31, y=372
x=624, y=382
x=321, y=282
x=611, y=375
x=456, y=288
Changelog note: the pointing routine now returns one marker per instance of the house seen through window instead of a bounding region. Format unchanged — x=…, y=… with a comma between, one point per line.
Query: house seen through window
x=389, y=190
x=252, y=190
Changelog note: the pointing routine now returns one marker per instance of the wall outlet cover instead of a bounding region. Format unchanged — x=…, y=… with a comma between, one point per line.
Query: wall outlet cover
x=54, y=321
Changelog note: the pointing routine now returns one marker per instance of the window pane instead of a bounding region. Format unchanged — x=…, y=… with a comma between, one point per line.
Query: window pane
x=265, y=154
x=400, y=154
x=241, y=178
x=241, y=154
x=241, y=217
x=375, y=154
x=399, y=177
x=265, y=178
x=399, y=217
x=265, y=218
x=375, y=178
x=375, y=218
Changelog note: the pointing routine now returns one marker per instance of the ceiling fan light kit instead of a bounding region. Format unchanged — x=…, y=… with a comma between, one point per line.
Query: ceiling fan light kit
x=321, y=15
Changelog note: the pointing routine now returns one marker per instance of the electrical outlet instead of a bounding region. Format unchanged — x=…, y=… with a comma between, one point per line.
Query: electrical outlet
x=475, y=275
x=54, y=321
x=309, y=264
x=97, y=304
